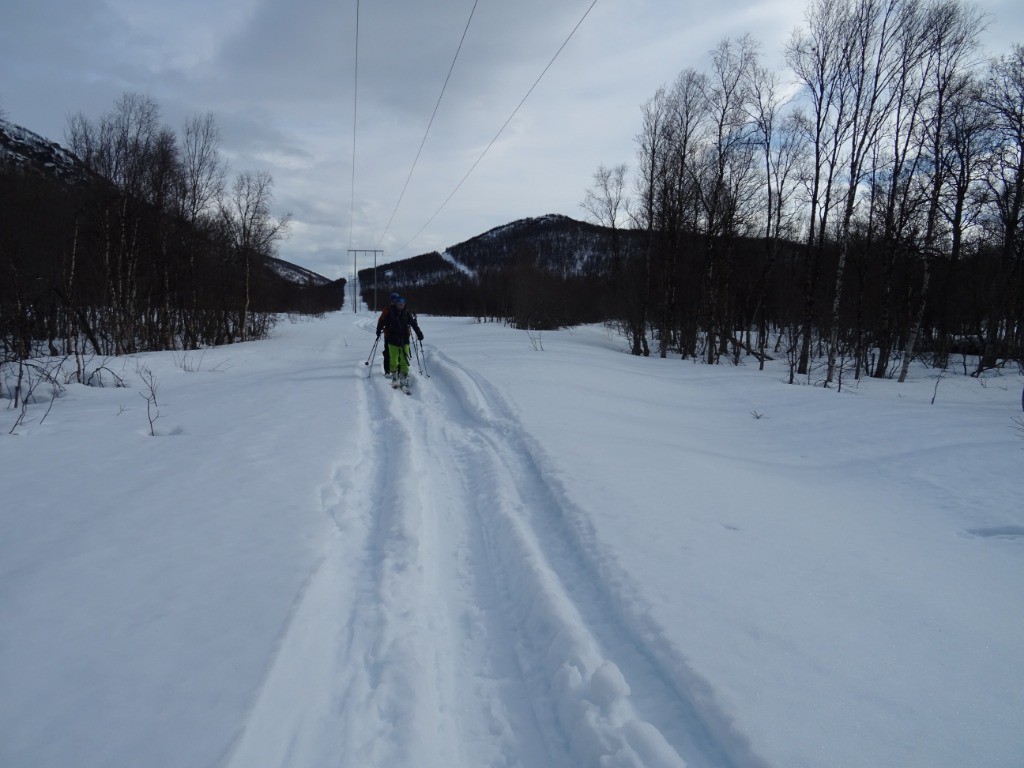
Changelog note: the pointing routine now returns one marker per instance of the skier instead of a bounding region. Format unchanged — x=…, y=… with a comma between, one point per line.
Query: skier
x=396, y=324
x=382, y=319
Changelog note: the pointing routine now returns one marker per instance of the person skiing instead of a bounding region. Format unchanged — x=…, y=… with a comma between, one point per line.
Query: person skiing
x=397, y=325
x=387, y=357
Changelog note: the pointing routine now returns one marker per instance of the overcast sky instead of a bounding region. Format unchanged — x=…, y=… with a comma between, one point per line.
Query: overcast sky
x=279, y=78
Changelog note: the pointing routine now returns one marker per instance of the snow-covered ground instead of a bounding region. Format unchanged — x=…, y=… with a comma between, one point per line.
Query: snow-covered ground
x=551, y=555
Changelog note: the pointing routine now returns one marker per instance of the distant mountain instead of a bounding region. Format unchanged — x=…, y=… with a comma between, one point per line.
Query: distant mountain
x=543, y=272
x=555, y=244
x=293, y=273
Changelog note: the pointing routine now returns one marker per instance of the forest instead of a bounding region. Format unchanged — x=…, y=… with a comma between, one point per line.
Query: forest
x=133, y=239
x=886, y=191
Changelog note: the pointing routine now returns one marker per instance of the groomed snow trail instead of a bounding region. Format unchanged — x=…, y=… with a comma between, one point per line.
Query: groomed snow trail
x=461, y=614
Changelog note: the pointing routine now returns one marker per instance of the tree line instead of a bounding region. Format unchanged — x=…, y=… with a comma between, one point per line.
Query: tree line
x=870, y=214
x=147, y=246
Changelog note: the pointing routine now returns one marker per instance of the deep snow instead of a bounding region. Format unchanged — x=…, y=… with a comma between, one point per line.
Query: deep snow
x=552, y=554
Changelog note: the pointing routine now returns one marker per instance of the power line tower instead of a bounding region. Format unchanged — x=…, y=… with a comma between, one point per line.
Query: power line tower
x=356, y=252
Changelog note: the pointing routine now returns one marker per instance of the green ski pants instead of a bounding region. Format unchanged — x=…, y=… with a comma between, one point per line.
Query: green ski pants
x=399, y=355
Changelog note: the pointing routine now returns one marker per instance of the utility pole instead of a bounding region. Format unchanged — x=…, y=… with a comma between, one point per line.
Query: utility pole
x=355, y=275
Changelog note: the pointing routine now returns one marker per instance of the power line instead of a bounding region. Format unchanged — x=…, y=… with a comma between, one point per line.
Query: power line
x=355, y=107
x=503, y=127
x=429, y=124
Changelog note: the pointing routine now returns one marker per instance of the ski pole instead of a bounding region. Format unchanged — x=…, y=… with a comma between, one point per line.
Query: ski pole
x=424, y=371
x=416, y=351
x=372, y=353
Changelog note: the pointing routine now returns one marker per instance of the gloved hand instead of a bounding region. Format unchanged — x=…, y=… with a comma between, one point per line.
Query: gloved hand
x=420, y=337
x=378, y=334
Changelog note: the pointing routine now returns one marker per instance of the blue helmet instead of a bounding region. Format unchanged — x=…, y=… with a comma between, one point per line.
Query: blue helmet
x=395, y=297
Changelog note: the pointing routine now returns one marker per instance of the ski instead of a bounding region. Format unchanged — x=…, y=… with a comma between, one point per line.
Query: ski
x=399, y=381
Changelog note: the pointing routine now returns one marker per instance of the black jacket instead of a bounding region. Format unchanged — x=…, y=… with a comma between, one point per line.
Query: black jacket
x=396, y=324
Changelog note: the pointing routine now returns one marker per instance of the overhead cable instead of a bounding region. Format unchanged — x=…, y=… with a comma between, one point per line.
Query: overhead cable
x=429, y=124
x=501, y=130
x=355, y=112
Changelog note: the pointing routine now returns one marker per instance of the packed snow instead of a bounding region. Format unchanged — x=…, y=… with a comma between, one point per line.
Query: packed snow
x=552, y=554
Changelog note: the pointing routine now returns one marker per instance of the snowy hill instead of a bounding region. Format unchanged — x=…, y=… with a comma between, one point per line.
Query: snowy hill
x=548, y=271
x=558, y=244
x=293, y=273
x=552, y=554
x=21, y=148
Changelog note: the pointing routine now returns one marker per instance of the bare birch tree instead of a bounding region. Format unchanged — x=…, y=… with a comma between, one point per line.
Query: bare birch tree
x=247, y=216
x=606, y=200
x=873, y=66
x=950, y=36
x=818, y=56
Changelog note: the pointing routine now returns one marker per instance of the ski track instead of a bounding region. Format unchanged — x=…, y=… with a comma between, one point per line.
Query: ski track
x=462, y=613
x=604, y=676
